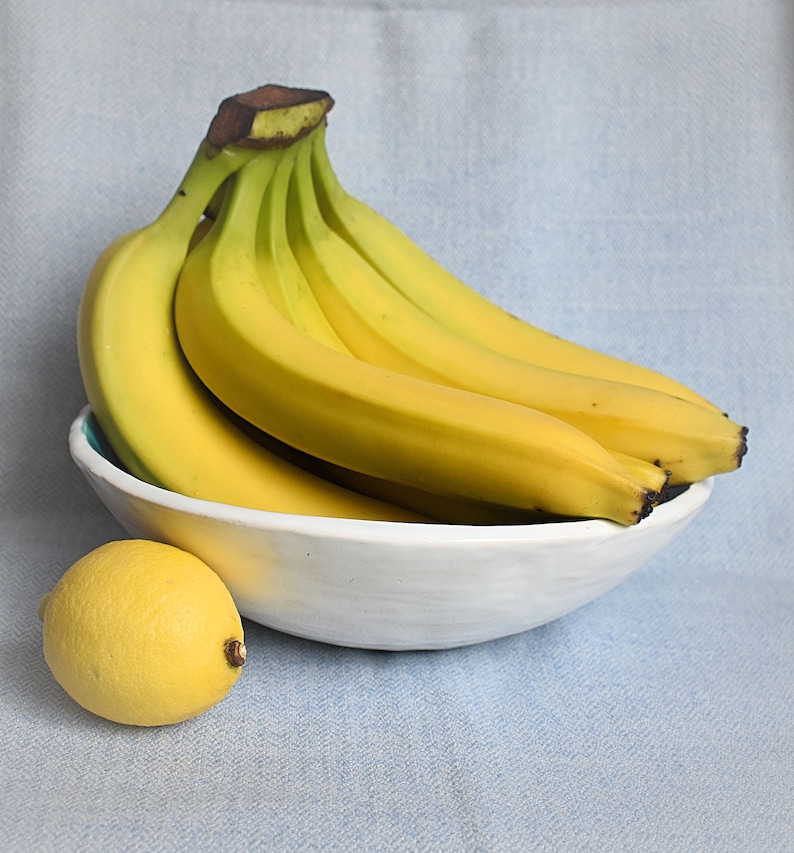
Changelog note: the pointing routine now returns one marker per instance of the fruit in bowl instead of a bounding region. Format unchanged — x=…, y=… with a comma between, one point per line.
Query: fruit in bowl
x=270, y=346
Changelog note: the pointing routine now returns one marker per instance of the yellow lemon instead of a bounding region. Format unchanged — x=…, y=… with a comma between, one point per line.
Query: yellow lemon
x=142, y=633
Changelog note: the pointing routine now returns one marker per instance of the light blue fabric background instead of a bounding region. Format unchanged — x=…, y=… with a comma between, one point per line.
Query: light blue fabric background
x=619, y=172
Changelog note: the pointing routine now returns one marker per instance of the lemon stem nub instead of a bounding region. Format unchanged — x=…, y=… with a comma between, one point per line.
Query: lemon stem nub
x=235, y=653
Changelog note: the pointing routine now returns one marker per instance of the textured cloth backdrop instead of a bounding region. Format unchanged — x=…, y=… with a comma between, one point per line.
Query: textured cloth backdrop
x=621, y=173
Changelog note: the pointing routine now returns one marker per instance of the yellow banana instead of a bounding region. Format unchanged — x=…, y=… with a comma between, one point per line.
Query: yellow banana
x=380, y=325
x=365, y=418
x=289, y=291
x=653, y=475
x=440, y=507
x=444, y=297
x=282, y=278
x=458, y=510
x=436, y=507
x=157, y=416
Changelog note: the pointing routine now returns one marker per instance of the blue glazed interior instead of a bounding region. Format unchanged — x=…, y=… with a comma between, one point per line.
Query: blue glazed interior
x=96, y=438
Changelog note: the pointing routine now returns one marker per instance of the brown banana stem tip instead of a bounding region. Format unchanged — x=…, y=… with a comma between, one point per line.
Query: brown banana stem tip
x=650, y=499
x=234, y=121
x=742, y=450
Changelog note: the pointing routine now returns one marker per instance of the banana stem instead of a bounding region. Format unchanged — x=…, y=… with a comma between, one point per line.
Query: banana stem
x=238, y=220
x=206, y=173
x=268, y=117
x=272, y=229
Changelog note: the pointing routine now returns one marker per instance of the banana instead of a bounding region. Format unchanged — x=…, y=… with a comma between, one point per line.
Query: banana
x=461, y=511
x=363, y=417
x=282, y=278
x=380, y=325
x=290, y=292
x=653, y=475
x=435, y=507
x=157, y=416
x=440, y=507
x=444, y=297
x=287, y=288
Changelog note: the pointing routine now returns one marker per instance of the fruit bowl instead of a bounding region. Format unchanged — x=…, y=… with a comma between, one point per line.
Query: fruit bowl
x=380, y=584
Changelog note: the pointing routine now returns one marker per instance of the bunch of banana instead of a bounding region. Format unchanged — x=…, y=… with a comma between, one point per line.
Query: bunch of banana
x=160, y=420
x=295, y=351
x=379, y=324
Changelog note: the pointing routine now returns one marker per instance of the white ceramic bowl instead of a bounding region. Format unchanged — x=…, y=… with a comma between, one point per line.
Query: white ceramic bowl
x=380, y=584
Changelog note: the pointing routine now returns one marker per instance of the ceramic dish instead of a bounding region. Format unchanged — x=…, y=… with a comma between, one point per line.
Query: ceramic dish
x=386, y=585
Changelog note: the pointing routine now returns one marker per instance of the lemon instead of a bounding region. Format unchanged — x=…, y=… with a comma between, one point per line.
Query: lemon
x=142, y=633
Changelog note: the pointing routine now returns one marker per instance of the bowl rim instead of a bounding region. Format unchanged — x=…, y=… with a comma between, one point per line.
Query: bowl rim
x=101, y=468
